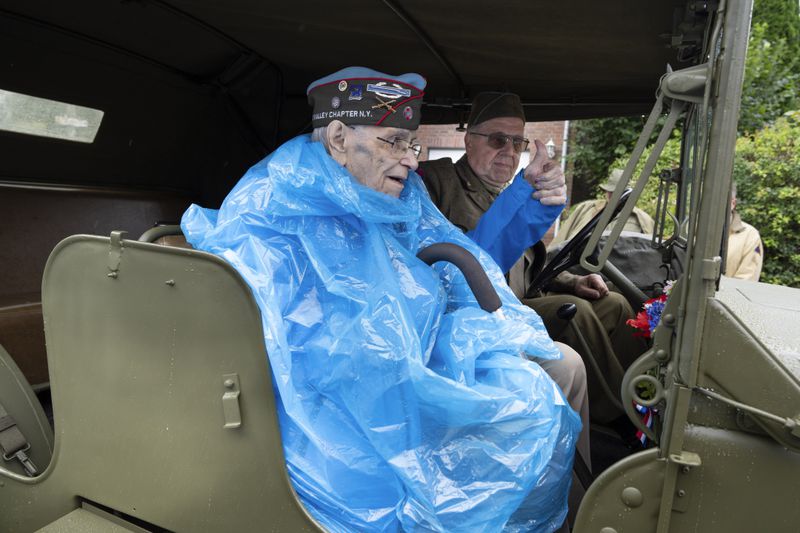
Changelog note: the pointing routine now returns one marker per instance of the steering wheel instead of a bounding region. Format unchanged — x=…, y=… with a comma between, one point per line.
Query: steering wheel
x=570, y=254
x=538, y=258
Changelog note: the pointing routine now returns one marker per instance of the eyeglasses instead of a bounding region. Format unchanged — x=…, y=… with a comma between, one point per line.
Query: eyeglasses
x=399, y=147
x=500, y=140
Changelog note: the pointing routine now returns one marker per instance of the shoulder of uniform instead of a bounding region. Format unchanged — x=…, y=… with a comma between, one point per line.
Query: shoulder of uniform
x=641, y=213
x=591, y=203
x=586, y=205
x=436, y=168
x=751, y=229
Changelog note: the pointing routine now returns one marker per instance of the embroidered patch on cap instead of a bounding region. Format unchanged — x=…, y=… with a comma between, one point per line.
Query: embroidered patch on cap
x=356, y=92
x=373, y=98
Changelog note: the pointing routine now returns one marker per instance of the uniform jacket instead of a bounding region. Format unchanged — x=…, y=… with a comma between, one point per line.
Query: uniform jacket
x=639, y=221
x=745, y=250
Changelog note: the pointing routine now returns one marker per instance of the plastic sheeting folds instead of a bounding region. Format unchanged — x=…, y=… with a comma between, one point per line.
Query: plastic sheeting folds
x=403, y=406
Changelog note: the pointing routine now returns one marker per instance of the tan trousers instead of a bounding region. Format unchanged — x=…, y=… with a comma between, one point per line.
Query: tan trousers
x=569, y=374
x=602, y=323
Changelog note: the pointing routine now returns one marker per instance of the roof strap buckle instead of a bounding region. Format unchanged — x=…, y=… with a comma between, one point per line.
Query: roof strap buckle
x=23, y=458
x=13, y=443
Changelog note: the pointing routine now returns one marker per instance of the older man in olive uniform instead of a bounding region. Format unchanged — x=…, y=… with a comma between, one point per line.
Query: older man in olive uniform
x=507, y=217
x=581, y=214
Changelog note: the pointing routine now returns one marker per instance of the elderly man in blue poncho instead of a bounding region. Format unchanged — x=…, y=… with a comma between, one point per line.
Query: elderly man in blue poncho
x=403, y=405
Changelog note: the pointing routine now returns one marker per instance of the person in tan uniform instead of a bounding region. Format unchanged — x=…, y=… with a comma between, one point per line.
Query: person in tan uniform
x=506, y=217
x=582, y=213
x=745, y=250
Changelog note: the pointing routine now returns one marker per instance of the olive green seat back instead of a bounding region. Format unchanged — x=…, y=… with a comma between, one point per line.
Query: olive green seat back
x=144, y=342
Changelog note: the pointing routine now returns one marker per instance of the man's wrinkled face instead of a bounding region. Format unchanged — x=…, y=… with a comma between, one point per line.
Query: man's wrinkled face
x=494, y=165
x=377, y=163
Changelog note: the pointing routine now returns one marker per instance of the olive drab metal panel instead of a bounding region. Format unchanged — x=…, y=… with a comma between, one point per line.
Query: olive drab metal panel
x=18, y=401
x=89, y=519
x=161, y=392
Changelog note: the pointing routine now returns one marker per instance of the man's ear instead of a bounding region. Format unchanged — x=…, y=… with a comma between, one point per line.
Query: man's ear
x=336, y=134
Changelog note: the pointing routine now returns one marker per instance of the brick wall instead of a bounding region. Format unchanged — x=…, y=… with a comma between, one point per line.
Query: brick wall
x=446, y=136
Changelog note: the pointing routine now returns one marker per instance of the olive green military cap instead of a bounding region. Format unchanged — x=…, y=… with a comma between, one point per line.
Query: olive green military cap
x=489, y=105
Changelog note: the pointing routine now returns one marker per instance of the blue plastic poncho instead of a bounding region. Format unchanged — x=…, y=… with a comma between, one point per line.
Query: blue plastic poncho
x=402, y=404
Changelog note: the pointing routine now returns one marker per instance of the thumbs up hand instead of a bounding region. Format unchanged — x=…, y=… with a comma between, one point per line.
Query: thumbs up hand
x=545, y=175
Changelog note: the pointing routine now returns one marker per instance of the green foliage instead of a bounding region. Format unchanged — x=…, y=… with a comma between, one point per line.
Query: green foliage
x=771, y=79
x=772, y=68
x=596, y=143
x=767, y=174
x=783, y=19
x=771, y=87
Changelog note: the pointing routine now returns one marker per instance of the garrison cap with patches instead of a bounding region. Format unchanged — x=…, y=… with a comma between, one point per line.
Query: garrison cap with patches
x=358, y=95
x=491, y=105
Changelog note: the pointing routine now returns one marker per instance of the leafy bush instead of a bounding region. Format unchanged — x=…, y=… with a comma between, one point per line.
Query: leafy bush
x=594, y=145
x=771, y=79
x=783, y=19
x=767, y=174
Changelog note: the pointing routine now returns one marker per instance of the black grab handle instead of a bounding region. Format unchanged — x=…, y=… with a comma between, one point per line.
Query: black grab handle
x=476, y=277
